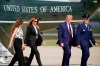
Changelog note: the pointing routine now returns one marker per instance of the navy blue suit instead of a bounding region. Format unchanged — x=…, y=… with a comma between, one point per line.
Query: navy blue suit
x=64, y=37
x=84, y=35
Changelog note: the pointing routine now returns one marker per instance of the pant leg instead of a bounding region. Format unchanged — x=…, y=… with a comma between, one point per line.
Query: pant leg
x=18, y=53
x=66, y=56
x=14, y=59
x=85, y=55
x=20, y=57
x=63, y=59
x=35, y=51
x=30, y=58
x=37, y=54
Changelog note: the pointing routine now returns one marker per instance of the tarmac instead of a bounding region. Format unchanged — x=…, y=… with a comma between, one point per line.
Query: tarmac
x=52, y=56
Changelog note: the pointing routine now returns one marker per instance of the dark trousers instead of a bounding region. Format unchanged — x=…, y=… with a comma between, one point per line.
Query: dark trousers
x=34, y=51
x=18, y=56
x=85, y=55
x=66, y=55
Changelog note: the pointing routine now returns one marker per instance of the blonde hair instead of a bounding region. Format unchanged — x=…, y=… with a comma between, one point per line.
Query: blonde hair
x=69, y=16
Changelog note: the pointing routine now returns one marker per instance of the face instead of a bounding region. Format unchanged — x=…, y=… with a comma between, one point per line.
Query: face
x=86, y=21
x=68, y=19
x=19, y=22
x=35, y=22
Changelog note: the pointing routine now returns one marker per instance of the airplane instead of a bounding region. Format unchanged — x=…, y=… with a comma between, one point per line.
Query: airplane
x=51, y=12
x=48, y=10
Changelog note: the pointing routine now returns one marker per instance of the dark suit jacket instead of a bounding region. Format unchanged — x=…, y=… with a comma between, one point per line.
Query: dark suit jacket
x=30, y=38
x=84, y=35
x=63, y=35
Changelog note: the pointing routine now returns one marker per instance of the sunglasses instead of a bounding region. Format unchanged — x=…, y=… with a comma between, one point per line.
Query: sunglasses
x=86, y=19
x=34, y=21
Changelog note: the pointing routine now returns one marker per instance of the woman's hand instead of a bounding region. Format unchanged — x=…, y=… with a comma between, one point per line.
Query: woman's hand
x=9, y=46
x=23, y=46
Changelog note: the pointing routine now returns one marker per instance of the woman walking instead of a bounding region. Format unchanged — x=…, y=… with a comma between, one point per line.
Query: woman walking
x=31, y=39
x=17, y=37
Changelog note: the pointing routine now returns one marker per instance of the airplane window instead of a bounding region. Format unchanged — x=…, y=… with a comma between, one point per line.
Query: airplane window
x=62, y=0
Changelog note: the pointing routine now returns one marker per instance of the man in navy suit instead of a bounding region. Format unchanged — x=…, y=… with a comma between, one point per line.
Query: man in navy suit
x=84, y=35
x=66, y=33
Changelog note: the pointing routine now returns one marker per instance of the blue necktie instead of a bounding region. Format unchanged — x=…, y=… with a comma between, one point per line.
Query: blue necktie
x=87, y=27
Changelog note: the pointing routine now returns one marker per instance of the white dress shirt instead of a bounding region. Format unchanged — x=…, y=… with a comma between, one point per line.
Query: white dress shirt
x=36, y=31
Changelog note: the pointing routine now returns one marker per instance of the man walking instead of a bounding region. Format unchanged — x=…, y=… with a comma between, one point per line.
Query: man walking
x=84, y=35
x=66, y=35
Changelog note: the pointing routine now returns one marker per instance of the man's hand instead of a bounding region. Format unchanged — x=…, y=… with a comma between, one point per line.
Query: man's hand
x=95, y=44
x=62, y=44
x=78, y=46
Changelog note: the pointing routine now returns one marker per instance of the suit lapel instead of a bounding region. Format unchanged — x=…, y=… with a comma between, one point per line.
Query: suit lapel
x=85, y=27
x=73, y=28
x=33, y=29
x=89, y=28
x=66, y=27
x=37, y=30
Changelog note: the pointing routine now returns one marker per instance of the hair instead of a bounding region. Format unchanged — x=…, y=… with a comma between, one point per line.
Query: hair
x=32, y=19
x=17, y=24
x=69, y=16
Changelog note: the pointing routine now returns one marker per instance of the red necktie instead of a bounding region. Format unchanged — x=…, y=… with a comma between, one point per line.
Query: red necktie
x=70, y=33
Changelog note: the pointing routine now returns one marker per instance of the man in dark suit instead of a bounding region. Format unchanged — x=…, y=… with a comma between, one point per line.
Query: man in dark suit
x=66, y=33
x=32, y=39
x=84, y=35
